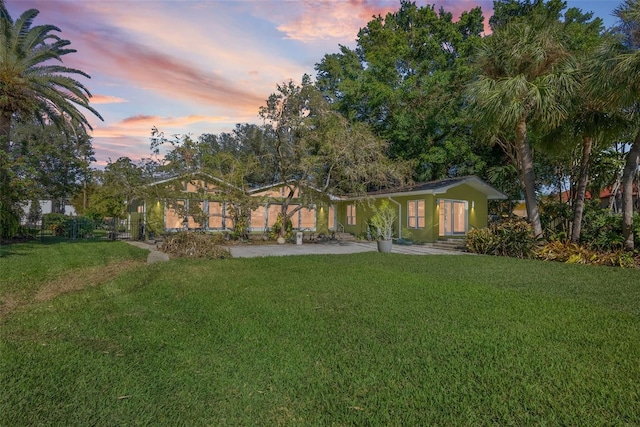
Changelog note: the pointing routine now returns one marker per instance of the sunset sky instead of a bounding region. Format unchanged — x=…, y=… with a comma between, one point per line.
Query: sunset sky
x=193, y=67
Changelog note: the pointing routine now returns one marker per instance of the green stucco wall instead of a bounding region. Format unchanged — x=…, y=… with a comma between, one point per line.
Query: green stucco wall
x=477, y=213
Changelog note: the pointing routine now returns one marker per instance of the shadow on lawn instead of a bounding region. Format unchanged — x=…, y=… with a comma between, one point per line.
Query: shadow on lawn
x=26, y=247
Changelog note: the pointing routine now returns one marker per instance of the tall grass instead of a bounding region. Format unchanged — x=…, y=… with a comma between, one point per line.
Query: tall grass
x=365, y=339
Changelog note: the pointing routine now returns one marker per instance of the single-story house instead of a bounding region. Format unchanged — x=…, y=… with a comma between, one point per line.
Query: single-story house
x=201, y=202
x=426, y=211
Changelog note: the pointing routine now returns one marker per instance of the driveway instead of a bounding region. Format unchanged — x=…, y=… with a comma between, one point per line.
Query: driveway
x=252, y=251
x=249, y=251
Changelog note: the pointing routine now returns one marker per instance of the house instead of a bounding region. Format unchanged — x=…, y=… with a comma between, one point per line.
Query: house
x=205, y=203
x=426, y=211
x=46, y=207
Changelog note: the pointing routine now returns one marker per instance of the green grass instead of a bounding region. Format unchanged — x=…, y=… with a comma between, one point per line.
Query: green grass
x=24, y=268
x=365, y=339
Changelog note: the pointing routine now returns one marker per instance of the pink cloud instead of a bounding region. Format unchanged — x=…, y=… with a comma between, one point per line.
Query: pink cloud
x=323, y=20
x=107, y=99
x=155, y=71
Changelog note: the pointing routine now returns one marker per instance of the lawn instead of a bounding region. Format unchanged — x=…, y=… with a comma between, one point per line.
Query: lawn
x=364, y=339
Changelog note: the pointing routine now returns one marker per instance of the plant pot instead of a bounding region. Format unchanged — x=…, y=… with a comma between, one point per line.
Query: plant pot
x=384, y=245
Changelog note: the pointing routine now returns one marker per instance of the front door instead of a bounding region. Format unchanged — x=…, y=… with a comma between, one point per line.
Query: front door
x=453, y=217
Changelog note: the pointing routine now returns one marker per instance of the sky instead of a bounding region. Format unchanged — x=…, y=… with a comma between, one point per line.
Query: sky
x=194, y=67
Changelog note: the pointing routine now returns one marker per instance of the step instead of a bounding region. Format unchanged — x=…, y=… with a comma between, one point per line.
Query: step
x=345, y=237
x=450, y=244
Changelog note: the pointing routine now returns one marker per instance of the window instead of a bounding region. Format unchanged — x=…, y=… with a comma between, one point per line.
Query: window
x=332, y=217
x=415, y=212
x=258, y=218
x=351, y=214
x=216, y=215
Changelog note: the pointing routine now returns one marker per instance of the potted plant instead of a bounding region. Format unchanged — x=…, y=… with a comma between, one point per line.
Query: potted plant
x=384, y=216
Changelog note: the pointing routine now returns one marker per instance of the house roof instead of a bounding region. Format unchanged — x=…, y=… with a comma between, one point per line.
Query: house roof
x=190, y=176
x=283, y=183
x=605, y=193
x=442, y=186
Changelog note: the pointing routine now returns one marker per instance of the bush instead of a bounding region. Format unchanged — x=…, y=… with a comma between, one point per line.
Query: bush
x=55, y=222
x=195, y=245
x=481, y=241
x=9, y=220
x=572, y=253
x=512, y=237
x=277, y=228
x=556, y=218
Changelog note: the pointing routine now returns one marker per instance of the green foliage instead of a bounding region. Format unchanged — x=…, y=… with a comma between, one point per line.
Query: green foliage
x=56, y=223
x=572, y=253
x=71, y=227
x=383, y=220
x=241, y=222
x=9, y=219
x=34, y=90
x=555, y=218
x=277, y=228
x=481, y=241
x=411, y=92
x=195, y=245
x=511, y=237
x=35, y=213
x=602, y=229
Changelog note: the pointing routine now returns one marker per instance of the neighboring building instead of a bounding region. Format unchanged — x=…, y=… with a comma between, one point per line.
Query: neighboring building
x=426, y=211
x=46, y=207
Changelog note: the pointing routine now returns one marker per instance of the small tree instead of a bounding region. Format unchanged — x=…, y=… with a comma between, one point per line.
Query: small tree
x=383, y=220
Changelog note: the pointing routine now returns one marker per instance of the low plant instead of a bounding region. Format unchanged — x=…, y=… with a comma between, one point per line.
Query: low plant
x=481, y=241
x=511, y=237
x=572, y=253
x=276, y=229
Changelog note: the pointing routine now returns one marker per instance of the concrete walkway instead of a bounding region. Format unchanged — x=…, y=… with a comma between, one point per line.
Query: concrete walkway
x=154, y=254
x=251, y=251
x=248, y=251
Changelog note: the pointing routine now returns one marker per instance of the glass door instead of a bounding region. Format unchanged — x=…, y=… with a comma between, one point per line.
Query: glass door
x=453, y=217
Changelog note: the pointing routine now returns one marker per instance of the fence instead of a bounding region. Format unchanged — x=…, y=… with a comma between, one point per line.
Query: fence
x=62, y=227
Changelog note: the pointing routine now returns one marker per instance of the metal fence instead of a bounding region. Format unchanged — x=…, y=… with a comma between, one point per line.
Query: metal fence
x=61, y=227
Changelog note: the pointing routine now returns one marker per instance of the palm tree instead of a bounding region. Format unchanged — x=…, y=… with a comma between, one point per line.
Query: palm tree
x=526, y=76
x=616, y=69
x=32, y=85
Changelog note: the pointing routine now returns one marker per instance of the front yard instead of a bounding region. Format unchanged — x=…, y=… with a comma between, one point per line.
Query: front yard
x=366, y=339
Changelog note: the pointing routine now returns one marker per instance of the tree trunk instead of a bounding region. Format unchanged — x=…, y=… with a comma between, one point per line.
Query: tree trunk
x=583, y=180
x=630, y=168
x=528, y=176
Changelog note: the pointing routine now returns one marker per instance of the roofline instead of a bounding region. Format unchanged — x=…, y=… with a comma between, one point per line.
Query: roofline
x=492, y=194
x=186, y=175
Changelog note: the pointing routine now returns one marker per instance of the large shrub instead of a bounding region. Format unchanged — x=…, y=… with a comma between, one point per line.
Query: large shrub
x=512, y=237
x=602, y=229
x=556, y=218
x=56, y=223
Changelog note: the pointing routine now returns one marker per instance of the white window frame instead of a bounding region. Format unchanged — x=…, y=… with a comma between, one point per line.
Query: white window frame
x=351, y=214
x=416, y=218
